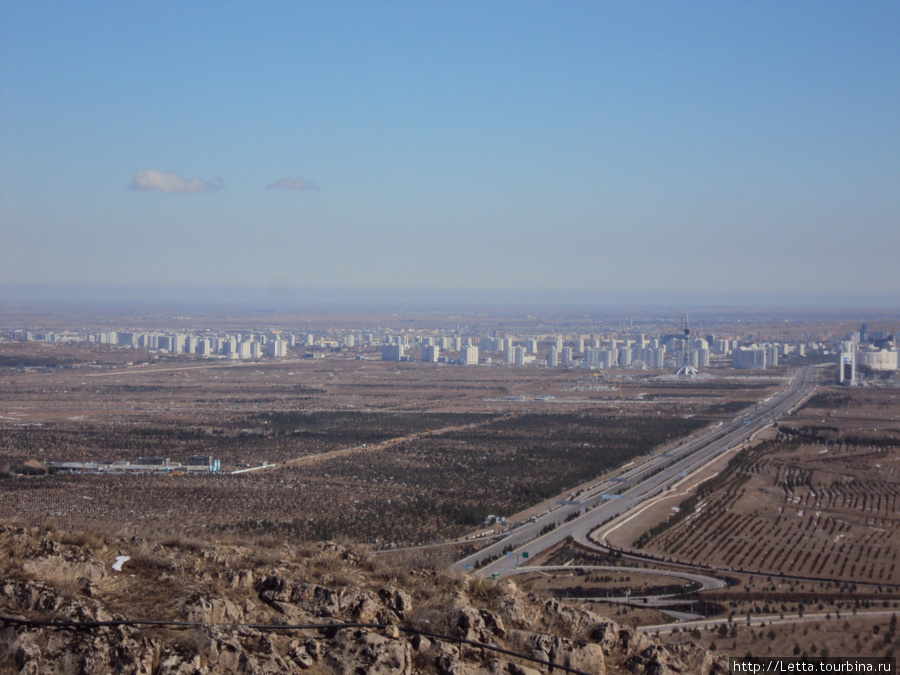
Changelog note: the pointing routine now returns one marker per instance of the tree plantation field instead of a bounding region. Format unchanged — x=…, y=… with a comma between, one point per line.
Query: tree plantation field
x=271, y=437
x=821, y=500
x=398, y=453
x=411, y=492
x=110, y=408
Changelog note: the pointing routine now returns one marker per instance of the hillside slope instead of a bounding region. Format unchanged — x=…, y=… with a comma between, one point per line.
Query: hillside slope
x=224, y=601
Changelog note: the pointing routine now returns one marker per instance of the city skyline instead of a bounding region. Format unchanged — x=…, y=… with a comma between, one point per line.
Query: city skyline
x=610, y=153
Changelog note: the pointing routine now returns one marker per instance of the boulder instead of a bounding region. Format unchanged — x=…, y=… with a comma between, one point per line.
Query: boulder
x=28, y=659
x=304, y=654
x=561, y=651
x=360, y=651
x=396, y=600
x=212, y=610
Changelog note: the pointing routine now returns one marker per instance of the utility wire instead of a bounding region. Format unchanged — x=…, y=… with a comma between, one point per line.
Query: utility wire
x=86, y=625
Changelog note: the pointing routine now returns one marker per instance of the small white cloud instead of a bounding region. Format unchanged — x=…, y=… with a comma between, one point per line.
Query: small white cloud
x=293, y=184
x=151, y=179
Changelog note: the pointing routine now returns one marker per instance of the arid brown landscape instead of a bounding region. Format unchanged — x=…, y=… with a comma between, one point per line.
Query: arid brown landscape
x=415, y=465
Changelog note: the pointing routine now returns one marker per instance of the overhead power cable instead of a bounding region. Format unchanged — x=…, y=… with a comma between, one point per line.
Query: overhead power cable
x=87, y=625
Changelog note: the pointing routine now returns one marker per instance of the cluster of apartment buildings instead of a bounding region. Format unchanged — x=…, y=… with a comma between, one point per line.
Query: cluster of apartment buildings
x=638, y=352
x=860, y=350
x=235, y=346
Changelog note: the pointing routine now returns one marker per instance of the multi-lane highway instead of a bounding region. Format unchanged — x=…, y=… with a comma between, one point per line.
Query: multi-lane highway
x=617, y=495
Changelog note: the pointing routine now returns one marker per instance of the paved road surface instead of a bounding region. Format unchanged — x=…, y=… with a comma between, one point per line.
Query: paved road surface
x=618, y=495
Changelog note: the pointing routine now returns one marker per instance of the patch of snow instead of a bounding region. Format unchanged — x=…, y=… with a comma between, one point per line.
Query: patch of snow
x=120, y=560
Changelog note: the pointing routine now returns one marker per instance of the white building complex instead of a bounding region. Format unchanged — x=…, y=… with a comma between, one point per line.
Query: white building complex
x=749, y=358
x=877, y=359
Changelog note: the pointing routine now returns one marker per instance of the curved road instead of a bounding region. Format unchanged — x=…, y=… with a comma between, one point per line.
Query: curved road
x=707, y=583
x=757, y=620
x=616, y=496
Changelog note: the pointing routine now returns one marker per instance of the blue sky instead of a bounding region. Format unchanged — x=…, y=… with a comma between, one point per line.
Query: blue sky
x=605, y=147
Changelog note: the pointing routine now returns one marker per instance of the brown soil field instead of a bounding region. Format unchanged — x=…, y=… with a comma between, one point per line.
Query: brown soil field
x=822, y=499
x=836, y=617
x=835, y=635
x=391, y=453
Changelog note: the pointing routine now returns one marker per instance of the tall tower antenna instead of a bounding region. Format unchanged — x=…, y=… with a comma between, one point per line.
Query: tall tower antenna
x=686, y=369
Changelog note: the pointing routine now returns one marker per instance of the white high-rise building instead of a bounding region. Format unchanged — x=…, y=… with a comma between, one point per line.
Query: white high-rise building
x=469, y=355
x=567, y=356
x=510, y=353
x=695, y=358
x=553, y=356
x=430, y=353
x=531, y=345
x=753, y=358
x=491, y=344
x=699, y=343
x=847, y=375
x=519, y=356
x=276, y=348
x=392, y=352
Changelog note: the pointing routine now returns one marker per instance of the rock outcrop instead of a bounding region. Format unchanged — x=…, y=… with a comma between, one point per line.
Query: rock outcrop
x=226, y=604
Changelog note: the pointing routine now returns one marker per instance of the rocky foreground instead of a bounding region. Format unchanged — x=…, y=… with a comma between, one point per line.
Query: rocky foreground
x=420, y=620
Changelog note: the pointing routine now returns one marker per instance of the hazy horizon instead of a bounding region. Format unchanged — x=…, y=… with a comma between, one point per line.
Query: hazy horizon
x=284, y=299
